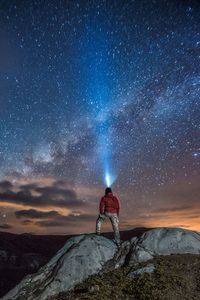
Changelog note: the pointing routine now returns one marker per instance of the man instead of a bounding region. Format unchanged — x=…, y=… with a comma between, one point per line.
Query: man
x=109, y=208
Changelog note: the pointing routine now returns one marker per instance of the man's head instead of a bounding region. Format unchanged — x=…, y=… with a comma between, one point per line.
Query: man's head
x=108, y=190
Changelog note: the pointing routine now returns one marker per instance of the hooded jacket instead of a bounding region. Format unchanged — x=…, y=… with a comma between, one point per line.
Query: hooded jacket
x=109, y=203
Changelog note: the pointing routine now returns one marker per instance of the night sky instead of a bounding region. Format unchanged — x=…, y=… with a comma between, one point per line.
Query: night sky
x=92, y=90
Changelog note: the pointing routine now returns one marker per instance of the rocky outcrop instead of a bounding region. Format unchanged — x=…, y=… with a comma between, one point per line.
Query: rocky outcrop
x=85, y=255
x=79, y=258
x=164, y=241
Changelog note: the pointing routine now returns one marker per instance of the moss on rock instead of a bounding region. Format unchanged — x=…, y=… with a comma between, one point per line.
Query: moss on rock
x=175, y=277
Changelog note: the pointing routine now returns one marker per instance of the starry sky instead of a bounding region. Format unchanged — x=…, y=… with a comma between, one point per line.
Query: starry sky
x=92, y=90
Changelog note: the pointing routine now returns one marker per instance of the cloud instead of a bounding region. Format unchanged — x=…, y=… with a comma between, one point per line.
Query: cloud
x=35, y=195
x=53, y=218
x=5, y=185
x=70, y=220
x=36, y=214
x=26, y=222
x=6, y=226
x=49, y=223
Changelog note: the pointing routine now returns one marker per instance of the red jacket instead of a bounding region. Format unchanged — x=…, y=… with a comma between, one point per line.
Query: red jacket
x=109, y=203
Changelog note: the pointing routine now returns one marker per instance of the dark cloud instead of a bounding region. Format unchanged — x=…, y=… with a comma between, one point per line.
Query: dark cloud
x=53, y=218
x=71, y=220
x=61, y=183
x=26, y=222
x=67, y=220
x=6, y=226
x=5, y=185
x=29, y=186
x=50, y=223
x=36, y=214
x=48, y=196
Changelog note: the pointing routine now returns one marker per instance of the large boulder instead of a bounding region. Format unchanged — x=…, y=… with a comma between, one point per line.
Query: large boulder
x=79, y=258
x=163, y=241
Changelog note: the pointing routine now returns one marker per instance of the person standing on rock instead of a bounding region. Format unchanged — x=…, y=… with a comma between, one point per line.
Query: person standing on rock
x=109, y=208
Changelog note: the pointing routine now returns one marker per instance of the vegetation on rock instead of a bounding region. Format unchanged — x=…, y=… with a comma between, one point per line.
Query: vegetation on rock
x=175, y=277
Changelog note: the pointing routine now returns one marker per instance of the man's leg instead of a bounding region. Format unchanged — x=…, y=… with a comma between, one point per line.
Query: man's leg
x=99, y=221
x=115, y=224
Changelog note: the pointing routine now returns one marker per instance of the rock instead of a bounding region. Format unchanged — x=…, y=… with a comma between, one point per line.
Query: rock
x=3, y=256
x=133, y=240
x=79, y=258
x=88, y=254
x=121, y=254
x=164, y=241
x=149, y=268
x=139, y=254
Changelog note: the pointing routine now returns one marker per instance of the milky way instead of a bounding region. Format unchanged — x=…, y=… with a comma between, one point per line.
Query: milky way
x=89, y=87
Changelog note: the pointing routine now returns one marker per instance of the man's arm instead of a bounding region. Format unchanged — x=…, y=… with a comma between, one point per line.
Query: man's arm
x=102, y=206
